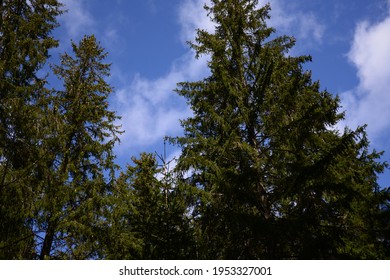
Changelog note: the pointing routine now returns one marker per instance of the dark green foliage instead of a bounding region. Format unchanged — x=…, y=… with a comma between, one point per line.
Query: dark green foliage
x=262, y=173
x=56, y=159
x=150, y=219
x=278, y=182
x=78, y=154
x=25, y=40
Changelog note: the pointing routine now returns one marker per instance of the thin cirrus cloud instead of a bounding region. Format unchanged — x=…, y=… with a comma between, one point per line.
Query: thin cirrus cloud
x=77, y=20
x=369, y=102
x=304, y=26
x=193, y=16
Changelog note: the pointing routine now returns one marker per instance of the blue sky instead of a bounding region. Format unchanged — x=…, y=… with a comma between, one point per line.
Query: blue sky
x=348, y=40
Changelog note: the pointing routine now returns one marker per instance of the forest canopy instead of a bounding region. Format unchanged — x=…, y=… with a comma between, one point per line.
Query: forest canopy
x=263, y=172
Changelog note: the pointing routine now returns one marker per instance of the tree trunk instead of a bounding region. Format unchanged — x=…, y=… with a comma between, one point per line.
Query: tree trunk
x=48, y=241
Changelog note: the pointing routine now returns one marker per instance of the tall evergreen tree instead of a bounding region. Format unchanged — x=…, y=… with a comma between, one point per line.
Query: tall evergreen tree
x=79, y=168
x=277, y=181
x=25, y=40
x=149, y=214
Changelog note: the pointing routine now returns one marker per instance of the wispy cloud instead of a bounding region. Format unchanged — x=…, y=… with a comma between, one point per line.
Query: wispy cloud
x=150, y=108
x=369, y=102
x=291, y=21
x=77, y=20
x=193, y=16
x=309, y=27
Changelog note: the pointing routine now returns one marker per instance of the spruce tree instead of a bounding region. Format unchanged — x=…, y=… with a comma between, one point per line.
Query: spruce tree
x=25, y=41
x=79, y=169
x=149, y=214
x=276, y=180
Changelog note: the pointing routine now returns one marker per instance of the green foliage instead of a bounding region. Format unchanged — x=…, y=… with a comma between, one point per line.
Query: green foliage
x=149, y=215
x=56, y=159
x=78, y=154
x=262, y=173
x=278, y=182
x=25, y=40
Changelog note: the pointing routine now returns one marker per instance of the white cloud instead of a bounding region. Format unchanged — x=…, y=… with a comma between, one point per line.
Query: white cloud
x=150, y=109
x=369, y=102
x=309, y=27
x=290, y=21
x=77, y=20
x=192, y=16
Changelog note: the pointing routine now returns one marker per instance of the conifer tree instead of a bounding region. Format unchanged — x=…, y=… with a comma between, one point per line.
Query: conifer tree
x=276, y=180
x=149, y=214
x=25, y=41
x=79, y=169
